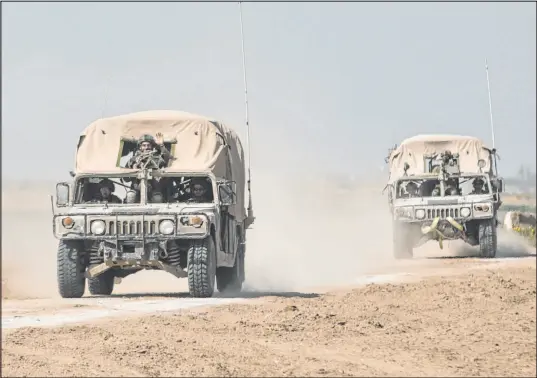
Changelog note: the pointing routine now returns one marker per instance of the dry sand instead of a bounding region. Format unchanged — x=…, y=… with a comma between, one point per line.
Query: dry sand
x=479, y=323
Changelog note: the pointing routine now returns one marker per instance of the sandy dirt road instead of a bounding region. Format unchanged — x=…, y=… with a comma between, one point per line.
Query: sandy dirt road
x=314, y=305
x=467, y=317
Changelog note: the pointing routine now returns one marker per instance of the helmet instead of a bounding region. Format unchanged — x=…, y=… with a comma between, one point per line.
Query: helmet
x=411, y=186
x=146, y=138
x=199, y=181
x=106, y=183
x=478, y=182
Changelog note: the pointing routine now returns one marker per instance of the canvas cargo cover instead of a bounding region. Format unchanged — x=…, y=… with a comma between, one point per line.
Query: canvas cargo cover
x=200, y=146
x=413, y=151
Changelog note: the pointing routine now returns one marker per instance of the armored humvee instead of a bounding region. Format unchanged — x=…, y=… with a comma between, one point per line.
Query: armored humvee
x=155, y=221
x=443, y=187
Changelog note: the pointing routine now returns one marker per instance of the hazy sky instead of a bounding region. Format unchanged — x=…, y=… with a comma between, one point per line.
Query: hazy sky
x=331, y=85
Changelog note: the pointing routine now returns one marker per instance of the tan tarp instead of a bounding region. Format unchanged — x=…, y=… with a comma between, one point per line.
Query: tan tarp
x=199, y=146
x=413, y=151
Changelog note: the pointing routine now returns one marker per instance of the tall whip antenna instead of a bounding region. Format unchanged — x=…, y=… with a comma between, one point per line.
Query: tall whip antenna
x=490, y=105
x=250, y=210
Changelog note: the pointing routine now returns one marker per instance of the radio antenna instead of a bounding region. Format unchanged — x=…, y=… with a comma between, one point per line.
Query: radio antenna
x=490, y=105
x=250, y=209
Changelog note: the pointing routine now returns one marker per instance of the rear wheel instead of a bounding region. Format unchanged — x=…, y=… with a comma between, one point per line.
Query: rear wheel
x=402, y=246
x=70, y=269
x=201, y=267
x=103, y=284
x=488, y=238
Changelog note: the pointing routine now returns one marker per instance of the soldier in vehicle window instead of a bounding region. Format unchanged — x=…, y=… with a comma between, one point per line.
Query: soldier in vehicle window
x=132, y=197
x=150, y=148
x=412, y=189
x=479, y=186
x=106, y=188
x=156, y=197
x=451, y=188
x=198, y=191
x=436, y=191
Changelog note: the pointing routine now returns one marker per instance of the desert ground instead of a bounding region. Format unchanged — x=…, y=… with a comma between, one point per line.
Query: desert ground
x=323, y=297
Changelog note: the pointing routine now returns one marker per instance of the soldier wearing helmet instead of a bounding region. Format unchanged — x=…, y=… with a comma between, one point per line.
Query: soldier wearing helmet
x=105, y=192
x=479, y=186
x=412, y=189
x=199, y=190
x=150, y=148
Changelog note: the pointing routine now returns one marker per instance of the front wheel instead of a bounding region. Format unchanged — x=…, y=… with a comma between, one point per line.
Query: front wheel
x=488, y=238
x=201, y=260
x=103, y=284
x=71, y=269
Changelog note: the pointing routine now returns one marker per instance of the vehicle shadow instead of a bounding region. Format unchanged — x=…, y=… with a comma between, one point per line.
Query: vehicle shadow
x=504, y=252
x=251, y=294
x=242, y=295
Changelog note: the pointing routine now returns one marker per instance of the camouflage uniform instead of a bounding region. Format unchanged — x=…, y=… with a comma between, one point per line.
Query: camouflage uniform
x=161, y=157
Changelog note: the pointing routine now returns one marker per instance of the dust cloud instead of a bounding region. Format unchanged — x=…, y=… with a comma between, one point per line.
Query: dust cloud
x=28, y=246
x=312, y=231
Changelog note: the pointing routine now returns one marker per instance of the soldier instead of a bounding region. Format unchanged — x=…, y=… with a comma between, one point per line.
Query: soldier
x=478, y=185
x=198, y=190
x=412, y=189
x=451, y=189
x=150, y=148
x=106, y=188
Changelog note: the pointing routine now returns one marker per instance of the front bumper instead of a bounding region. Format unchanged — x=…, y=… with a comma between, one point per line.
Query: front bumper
x=461, y=213
x=131, y=227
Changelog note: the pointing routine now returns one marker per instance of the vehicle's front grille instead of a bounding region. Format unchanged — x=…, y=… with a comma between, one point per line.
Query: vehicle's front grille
x=442, y=212
x=131, y=228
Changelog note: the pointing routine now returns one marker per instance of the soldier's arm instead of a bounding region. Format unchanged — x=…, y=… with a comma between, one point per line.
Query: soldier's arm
x=164, y=152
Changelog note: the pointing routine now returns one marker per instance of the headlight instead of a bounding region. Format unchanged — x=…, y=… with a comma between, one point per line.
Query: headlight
x=420, y=213
x=68, y=222
x=482, y=207
x=166, y=227
x=404, y=212
x=192, y=221
x=97, y=227
x=465, y=212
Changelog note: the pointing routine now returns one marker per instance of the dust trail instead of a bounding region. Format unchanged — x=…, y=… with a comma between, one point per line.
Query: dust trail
x=313, y=231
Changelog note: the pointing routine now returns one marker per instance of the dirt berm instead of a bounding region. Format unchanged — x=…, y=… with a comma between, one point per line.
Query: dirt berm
x=478, y=323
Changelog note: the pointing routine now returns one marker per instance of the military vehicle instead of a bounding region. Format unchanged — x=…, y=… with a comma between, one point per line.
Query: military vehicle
x=443, y=187
x=186, y=216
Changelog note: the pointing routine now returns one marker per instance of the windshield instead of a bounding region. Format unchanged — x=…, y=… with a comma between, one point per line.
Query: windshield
x=463, y=185
x=110, y=190
x=126, y=190
x=181, y=189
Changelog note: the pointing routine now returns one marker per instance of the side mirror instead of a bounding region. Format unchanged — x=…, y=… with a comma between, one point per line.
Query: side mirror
x=227, y=193
x=62, y=194
x=497, y=184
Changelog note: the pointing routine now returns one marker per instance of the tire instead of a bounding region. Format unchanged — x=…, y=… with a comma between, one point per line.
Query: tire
x=229, y=280
x=71, y=269
x=103, y=284
x=201, y=266
x=488, y=238
x=402, y=248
